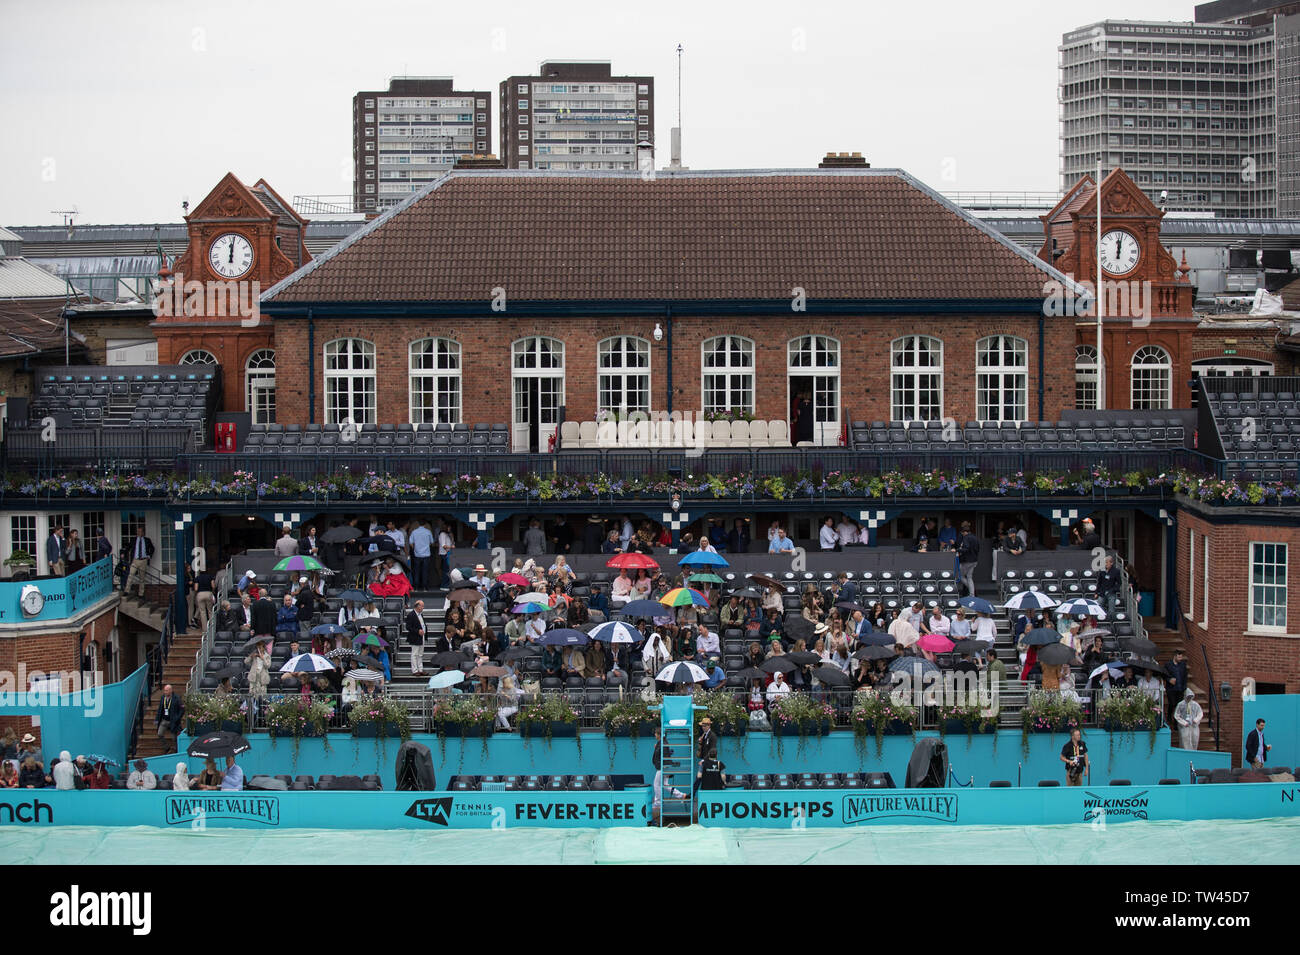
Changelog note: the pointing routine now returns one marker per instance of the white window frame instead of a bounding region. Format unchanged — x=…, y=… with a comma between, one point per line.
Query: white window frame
x=622, y=377
x=912, y=348
x=734, y=375
x=198, y=356
x=435, y=390
x=1190, y=612
x=1251, y=626
x=258, y=373
x=1158, y=373
x=360, y=378
x=1205, y=582
x=14, y=532
x=1086, y=375
x=992, y=379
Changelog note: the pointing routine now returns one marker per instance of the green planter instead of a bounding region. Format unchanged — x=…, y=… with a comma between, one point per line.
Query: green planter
x=894, y=728
x=552, y=730
x=464, y=730
x=958, y=728
x=803, y=729
x=371, y=730
x=642, y=731
x=310, y=732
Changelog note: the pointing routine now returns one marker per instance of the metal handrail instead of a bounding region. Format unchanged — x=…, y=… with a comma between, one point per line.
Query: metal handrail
x=204, y=652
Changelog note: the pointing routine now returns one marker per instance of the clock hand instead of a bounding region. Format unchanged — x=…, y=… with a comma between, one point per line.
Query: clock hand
x=232, y=251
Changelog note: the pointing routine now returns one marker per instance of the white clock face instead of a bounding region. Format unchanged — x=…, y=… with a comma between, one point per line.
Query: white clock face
x=231, y=255
x=33, y=601
x=1119, y=252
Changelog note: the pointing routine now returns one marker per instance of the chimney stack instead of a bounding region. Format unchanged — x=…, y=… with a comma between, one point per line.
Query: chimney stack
x=844, y=161
x=479, y=161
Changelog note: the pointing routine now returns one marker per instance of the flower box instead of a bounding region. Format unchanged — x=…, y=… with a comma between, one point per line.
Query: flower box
x=957, y=728
x=227, y=726
x=731, y=729
x=1114, y=726
x=644, y=730
x=464, y=730
x=308, y=731
x=809, y=728
x=554, y=729
x=371, y=730
x=1059, y=726
x=892, y=728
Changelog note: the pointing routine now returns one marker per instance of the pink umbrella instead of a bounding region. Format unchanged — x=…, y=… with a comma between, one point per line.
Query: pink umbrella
x=514, y=580
x=935, y=643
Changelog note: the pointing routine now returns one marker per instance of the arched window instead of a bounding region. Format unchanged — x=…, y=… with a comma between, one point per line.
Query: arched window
x=623, y=374
x=259, y=386
x=537, y=353
x=916, y=379
x=728, y=374
x=1153, y=375
x=435, y=381
x=1002, y=378
x=813, y=351
x=1085, y=377
x=349, y=381
x=198, y=356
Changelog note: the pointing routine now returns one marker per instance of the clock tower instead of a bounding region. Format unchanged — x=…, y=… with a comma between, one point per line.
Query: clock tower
x=242, y=240
x=1146, y=296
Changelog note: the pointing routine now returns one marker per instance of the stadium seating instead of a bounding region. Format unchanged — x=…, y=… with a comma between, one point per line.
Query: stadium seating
x=380, y=439
x=1258, y=426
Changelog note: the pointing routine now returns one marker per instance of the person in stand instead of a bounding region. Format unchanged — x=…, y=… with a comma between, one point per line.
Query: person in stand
x=1188, y=716
x=55, y=552
x=210, y=777
x=141, y=554
x=74, y=555
x=780, y=544
x=828, y=538
x=287, y=545
x=777, y=688
x=170, y=710
x=1256, y=748
x=1176, y=678
x=181, y=778
x=100, y=778
x=1075, y=756
x=103, y=546
x=141, y=776
x=1088, y=536
x=415, y=637
x=234, y=775
x=968, y=555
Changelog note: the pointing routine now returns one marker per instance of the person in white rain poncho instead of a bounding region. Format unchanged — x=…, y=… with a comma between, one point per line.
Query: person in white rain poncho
x=181, y=780
x=1188, y=716
x=655, y=655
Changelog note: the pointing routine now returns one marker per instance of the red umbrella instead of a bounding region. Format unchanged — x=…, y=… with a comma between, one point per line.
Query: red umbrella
x=633, y=561
x=514, y=580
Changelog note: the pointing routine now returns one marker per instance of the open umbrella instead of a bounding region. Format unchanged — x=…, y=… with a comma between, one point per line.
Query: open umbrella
x=681, y=672
x=750, y=673
x=386, y=555
x=530, y=607
x=218, y=745
x=705, y=579
x=228, y=672
x=1094, y=632
x=448, y=678
x=684, y=597
x=642, y=608
x=849, y=606
x=94, y=758
x=487, y=670
x=615, y=632
x=968, y=646
x=803, y=657
x=773, y=664
x=1040, y=637
x=354, y=595
x=1099, y=670
x=1143, y=648
x=516, y=652
x=253, y=644
x=916, y=666
x=746, y=593
x=447, y=658
x=306, y=663
x=831, y=675
x=369, y=640
x=904, y=633
x=1081, y=605
x=328, y=630
x=564, y=637
x=935, y=643
x=877, y=638
x=702, y=558
x=514, y=580
x=874, y=653
x=533, y=597
x=633, y=561
x=342, y=653
x=365, y=675
x=341, y=534
x=798, y=628
x=467, y=594
x=1054, y=654
x=1031, y=600
x=766, y=581
x=978, y=604
x=301, y=562
x=1141, y=663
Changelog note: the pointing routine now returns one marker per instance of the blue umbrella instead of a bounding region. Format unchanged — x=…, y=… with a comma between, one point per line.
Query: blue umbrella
x=306, y=663
x=445, y=679
x=702, y=558
x=615, y=632
x=644, y=608
x=877, y=638
x=1031, y=599
x=356, y=596
x=564, y=637
x=328, y=630
x=917, y=666
x=978, y=604
x=1040, y=637
x=96, y=758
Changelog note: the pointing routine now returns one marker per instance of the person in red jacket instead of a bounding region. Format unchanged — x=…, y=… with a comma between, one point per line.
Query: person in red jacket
x=100, y=779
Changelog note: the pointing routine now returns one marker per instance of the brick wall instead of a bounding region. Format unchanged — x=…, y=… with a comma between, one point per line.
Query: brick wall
x=1234, y=652
x=486, y=369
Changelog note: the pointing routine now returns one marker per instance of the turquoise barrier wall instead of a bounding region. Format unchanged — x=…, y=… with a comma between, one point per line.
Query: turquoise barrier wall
x=437, y=811
x=1114, y=756
x=1282, y=713
x=94, y=720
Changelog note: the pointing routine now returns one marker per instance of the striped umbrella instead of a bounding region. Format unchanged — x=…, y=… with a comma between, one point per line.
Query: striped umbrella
x=1082, y=605
x=1031, y=599
x=365, y=675
x=682, y=672
x=702, y=558
x=615, y=632
x=684, y=597
x=529, y=608
x=306, y=663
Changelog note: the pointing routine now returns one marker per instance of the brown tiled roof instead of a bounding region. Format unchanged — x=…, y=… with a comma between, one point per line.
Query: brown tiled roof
x=860, y=235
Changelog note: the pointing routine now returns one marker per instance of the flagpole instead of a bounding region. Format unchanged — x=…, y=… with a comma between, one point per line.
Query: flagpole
x=1101, y=375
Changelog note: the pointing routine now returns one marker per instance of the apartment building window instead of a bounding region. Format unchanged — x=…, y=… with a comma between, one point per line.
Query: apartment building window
x=523, y=87
x=523, y=104
x=916, y=380
x=523, y=135
x=643, y=89
x=1268, y=587
x=370, y=117
x=370, y=104
x=523, y=150
x=370, y=147
x=1002, y=378
x=482, y=146
x=370, y=160
x=370, y=189
x=481, y=118
x=728, y=374
x=349, y=381
x=643, y=120
x=481, y=104
x=523, y=120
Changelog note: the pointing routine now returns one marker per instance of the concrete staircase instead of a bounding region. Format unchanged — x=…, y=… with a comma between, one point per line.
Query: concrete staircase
x=176, y=671
x=142, y=610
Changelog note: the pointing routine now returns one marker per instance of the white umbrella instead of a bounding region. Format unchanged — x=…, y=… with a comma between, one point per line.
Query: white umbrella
x=903, y=632
x=615, y=632
x=1082, y=605
x=366, y=675
x=533, y=597
x=306, y=663
x=1034, y=599
x=681, y=672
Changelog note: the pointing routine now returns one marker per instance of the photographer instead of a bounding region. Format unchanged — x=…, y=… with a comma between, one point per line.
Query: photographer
x=1075, y=756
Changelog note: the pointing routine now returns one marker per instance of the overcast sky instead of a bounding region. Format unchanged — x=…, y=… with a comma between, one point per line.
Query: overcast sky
x=122, y=108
